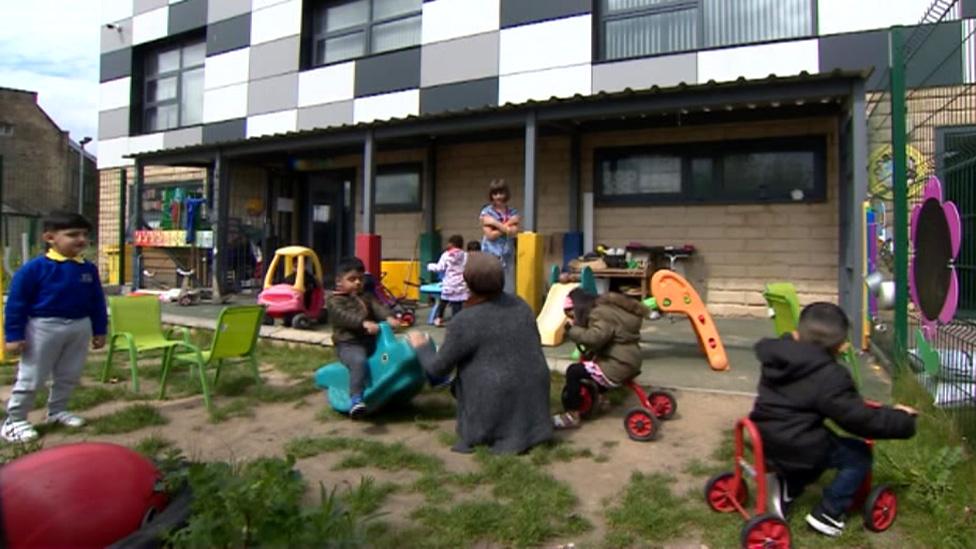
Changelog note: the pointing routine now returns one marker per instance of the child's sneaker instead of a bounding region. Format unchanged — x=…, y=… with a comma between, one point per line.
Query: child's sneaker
x=358, y=408
x=779, y=500
x=566, y=420
x=67, y=419
x=18, y=432
x=825, y=523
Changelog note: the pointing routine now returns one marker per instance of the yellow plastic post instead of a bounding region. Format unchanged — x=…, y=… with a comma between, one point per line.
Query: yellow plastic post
x=529, y=274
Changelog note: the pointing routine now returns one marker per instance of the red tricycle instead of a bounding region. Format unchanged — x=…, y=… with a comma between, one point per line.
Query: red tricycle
x=402, y=308
x=728, y=492
x=643, y=422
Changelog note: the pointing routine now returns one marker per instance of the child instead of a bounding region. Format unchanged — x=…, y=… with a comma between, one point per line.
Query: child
x=802, y=385
x=473, y=246
x=354, y=316
x=454, y=291
x=609, y=328
x=55, y=307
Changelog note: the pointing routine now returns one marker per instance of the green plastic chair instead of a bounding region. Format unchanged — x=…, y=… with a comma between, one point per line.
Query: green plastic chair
x=234, y=339
x=136, y=325
x=781, y=298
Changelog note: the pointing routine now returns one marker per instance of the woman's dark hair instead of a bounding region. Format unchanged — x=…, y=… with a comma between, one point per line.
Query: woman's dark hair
x=474, y=246
x=583, y=303
x=498, y=186
x=456, y=240
x=59, y=220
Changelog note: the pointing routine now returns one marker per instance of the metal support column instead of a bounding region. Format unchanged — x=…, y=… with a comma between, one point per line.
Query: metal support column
x=574, y=182
x=531, y=142
x=219, y=206
x=859, y=181
x=369, y=183
x=123, y=212
x=137, y=222
x=899, y=183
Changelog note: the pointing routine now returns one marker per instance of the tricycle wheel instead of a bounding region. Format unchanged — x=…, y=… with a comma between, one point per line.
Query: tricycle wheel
x=719, y=492
x=267, y=320
x=589, y=397
x=301, y=321
x=663, y=404
x=286, y=320
x=185, y=300
x=641, y=425
x=766, y=532
x=880, y=508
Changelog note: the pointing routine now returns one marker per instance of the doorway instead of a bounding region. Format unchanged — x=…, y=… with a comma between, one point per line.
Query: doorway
x=328, y=217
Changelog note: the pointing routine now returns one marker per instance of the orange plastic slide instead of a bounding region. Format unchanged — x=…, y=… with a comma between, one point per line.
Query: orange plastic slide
x=675, y=295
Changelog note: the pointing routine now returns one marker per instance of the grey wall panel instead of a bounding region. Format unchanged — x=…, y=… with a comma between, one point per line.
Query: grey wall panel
x=228, y=130
x=399, y=70
x=115, y=64
x=218, y=10
x=520, y=12
x=324, y=116
x=273, y=58
x=857, y=51
x=277, y=93
x=142, y=6
x=185, y=137
x=116, y=38
x=468, y=58
x=113, y=123
x=645, y=73
x=230, y=34
x=187, y=15
x=968, y=8
x=463, y=95
x=938, y=62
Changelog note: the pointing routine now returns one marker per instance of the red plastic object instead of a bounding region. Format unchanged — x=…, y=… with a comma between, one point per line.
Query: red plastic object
x=283, y=299
x=369, y=250
x=77, y=495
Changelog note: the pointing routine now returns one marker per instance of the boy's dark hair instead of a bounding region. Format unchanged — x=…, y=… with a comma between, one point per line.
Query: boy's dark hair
x=583, y=303
x=498, y=186
x=474, y=246
x=59, y=220
x=824, y=324
x=348, y=265
x=456, y=240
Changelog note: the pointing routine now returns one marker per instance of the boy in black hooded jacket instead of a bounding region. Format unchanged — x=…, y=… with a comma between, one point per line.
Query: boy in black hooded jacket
x=801, y=386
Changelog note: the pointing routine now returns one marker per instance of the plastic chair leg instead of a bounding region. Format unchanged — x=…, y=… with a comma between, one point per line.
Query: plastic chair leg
x=254, y=368
x=107, y=367
x=167, y=362
x=133, y=365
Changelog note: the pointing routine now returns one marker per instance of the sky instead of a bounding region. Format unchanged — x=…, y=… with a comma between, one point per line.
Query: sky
x=51, y=47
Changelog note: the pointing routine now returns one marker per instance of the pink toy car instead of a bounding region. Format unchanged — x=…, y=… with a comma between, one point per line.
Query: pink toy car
x=300, y=300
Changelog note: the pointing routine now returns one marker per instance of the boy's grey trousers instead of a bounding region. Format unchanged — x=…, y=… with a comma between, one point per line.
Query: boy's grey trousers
x=56, y=347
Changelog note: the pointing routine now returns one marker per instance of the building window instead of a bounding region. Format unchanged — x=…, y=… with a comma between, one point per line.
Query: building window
x=781, y=170
x=637, y=28
x=398, y=188
x=6, y=130
x=173, y=86
x=956, y=168
x=344, y=30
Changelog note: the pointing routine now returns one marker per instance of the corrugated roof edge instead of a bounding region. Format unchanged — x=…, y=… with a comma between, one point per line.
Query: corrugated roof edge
x=681, y=87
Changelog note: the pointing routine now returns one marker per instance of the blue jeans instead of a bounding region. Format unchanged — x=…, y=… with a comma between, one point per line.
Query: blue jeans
x=851, y=457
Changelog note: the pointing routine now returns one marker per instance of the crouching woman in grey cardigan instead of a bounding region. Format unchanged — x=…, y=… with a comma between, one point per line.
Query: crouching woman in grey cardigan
x=502, y=382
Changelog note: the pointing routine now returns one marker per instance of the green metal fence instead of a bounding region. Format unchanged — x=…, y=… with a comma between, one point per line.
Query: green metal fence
x=924, y=124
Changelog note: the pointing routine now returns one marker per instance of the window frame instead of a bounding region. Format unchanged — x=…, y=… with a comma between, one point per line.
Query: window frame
x=317, y=18
x=397, y=169
x=687, y=152
x=177, y=100
x=600, y=28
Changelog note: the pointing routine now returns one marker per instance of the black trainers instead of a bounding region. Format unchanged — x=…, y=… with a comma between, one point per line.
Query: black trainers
x=779, y=500
x=825, y=523
x=358, y=408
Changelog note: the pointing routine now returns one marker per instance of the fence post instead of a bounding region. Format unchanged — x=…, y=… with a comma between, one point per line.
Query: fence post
x=899, y=184
x=123, y=210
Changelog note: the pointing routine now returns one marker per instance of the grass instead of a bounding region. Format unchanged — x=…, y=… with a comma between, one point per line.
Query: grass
x=368, y=497
x=365, y=453
x=153, y=446
x=126, y=420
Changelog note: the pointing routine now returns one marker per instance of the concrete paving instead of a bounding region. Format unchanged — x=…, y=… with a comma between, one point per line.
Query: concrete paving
x=671, y=351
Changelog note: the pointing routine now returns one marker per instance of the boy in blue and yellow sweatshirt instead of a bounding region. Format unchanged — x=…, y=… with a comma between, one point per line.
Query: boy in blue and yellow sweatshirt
x=54, y=308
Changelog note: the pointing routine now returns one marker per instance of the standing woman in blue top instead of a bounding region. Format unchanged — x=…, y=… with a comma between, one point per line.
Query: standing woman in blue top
x=54, y=309
x=500, y=224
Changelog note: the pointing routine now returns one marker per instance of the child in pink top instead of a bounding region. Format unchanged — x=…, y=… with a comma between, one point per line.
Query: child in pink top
x=454, y=291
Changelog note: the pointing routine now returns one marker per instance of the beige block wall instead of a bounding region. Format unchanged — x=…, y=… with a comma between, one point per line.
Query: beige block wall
x=738, y=247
